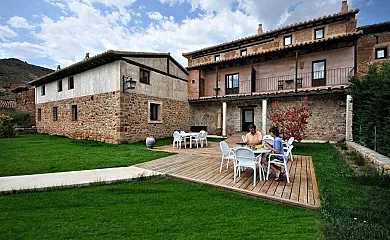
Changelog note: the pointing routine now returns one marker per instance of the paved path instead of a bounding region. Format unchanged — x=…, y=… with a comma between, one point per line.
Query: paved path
x=38, y=181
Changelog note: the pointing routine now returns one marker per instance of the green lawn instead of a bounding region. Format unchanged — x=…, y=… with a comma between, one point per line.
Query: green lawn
x=40, y=153
x=352, y=209
x=157, y=208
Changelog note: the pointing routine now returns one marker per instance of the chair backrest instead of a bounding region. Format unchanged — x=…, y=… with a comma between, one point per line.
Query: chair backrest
x=290, y=141
x=244, y=154
x=182, y=132
x=289, y=149
x=224, y=147
x=176, y=135
x=202, y=131
x=198, y=136
x=243, y=137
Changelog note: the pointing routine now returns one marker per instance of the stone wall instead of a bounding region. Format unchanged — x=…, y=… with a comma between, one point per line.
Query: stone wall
x=98, y=117
x=327, y=121
x=25, y=101
x=366, y=49
x=134, y=124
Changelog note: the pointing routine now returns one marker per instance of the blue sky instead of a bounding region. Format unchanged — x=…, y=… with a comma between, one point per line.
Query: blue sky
x=52, y=32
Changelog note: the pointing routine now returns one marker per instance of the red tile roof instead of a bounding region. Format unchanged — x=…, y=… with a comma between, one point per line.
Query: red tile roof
x=314, y=20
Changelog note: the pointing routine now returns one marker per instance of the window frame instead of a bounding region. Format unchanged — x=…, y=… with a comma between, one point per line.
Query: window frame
x=232, y=89
x=141, y=70
x=385, y=55
x=284, y=40
x=74, y=112
x=243, y=51
x=217, y=56
x=318, y=81
x=39, y=114
x=318, y=29
x=152, y=104
x=55, y=113
x=70, y=82
x=59, y=86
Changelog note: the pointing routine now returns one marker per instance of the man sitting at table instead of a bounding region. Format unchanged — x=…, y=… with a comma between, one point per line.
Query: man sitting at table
x=253, y=137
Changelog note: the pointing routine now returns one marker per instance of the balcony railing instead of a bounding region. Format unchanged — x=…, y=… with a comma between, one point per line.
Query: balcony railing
x=330, y=77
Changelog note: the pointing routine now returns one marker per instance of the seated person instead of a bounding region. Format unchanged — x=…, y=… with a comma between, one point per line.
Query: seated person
x=253, y=137
x=276, y=148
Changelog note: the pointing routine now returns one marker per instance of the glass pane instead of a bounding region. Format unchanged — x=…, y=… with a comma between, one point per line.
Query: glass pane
x=380, y=54
x=248, y=116
x=287, y=41
x=235, y=80
x=319, y=70
x=319, y=33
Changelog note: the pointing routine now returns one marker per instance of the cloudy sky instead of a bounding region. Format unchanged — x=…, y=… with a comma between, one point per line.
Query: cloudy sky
x=52, y=32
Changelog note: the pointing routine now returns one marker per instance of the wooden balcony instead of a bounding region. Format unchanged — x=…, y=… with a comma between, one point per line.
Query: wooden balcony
x=285, y=83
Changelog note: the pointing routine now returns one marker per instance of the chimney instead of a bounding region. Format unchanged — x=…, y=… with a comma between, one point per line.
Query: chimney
x=58, y=67
x=260, y=29
x=86, y=56
x=344, y=6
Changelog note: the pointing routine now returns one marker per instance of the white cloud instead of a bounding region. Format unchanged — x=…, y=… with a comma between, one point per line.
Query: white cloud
x=85, y=28
x=6, y=33
x=155, y=16
x=19, y=22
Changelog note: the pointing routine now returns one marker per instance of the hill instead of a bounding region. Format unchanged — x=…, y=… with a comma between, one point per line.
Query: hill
x=14, y=72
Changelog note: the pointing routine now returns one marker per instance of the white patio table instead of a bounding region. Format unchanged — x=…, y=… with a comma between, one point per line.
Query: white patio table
x=190, y=135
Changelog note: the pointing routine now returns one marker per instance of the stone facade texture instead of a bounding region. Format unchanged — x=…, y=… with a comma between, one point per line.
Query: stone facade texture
x=134, y=124
x=25, y=101
x=98, y=117
x=327, y=121
x=366, y=49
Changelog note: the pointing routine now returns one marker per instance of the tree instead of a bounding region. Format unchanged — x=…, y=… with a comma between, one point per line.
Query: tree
x=7, y=126
x=291, y=120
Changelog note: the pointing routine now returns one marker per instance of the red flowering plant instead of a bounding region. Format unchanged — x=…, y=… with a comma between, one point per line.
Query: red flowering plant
x=291, y=120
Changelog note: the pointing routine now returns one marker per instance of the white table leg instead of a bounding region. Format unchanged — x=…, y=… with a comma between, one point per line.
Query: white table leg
x=190, y=141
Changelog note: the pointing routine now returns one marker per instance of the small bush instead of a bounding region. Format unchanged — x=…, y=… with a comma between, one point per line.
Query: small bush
x=21, y=118
x=357, y=158
x=372, y=176
x=7, y=126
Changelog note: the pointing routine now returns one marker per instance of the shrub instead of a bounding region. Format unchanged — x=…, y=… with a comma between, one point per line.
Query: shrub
x=21, y=118
x=371, y=108
x=292, y=120
x=7, y=126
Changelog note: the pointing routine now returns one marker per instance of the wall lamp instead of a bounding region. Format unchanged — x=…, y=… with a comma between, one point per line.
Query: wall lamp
x=128, y=83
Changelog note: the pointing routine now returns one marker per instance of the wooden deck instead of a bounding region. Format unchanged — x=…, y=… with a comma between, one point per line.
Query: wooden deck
x=202, y=166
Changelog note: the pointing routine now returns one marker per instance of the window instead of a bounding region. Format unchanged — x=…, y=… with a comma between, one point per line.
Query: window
x=155, y=112
x=380, y=53
x=232, y=83
x=55, y=113
x=39, y=114
x=319, y=33
x=43, y=90
x=144, y=76
x=59, y=86
x=287, y=40
x=71, y=82
x=74, y=113
x=217, y=58
x=193, y=81
x=319, y=73
x=243, y=52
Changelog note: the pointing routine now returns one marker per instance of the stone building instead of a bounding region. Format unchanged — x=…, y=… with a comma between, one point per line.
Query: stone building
x=233, y=84
x=114, y=97
x=25, y=99
x=374, y=45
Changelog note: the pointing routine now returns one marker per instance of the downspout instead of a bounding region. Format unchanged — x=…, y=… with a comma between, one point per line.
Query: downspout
x=355, y=58
x=296, y=71
x=216, y=81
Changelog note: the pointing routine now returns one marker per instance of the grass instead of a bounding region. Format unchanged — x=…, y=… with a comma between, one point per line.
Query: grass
x=352, y=209
x=40, y=153
x=158, y=208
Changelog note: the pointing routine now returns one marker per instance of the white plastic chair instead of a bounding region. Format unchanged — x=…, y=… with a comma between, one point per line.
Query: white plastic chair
x=289, y=143
x=197, y=139
x=283, y=162
x=203, y=138
x=227, y=154
x=269, y=139
x=184, y=137
x=243, y=137
x=246, y=158
x=178, y=139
